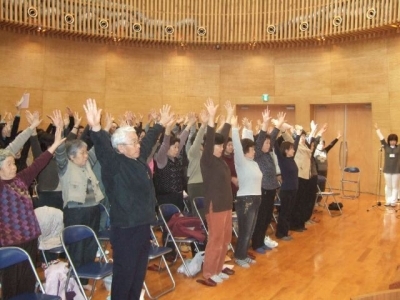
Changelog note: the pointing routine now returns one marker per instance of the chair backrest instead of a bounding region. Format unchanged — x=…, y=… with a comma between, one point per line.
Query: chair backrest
x=321, y=179
x=199, y=207
x=167, y=211
x=75, y=233
x=103, y=208
x=10, y=256
x=51, y=224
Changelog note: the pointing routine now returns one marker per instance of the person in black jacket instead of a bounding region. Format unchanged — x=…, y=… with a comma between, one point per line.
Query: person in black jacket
x=129, y=186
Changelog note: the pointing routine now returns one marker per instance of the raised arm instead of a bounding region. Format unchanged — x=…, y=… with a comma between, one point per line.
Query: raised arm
x=20, y=140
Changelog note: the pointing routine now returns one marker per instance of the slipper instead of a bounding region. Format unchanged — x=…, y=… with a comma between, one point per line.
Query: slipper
x=207, y=282
x=153, y=267
x=314, y=219
x=88, y=287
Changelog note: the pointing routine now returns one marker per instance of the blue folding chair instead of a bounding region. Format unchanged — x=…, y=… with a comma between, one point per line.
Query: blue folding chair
x=156, y=251
x=93, y=270
x=10, y=256
x=166, y=212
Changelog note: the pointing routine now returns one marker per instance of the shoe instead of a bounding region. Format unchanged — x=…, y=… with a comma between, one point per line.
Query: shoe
x=207, y=282
x=266, y=248
x=216, y=279
x=184, y=248
x=223, y=276
x=242, y=263
x=387, y=204
x=261, y=250
x=98, y=254
x=286, y=238
x=250, y=261
x=393, y=205
x=270, y=243
x=228, y=271
x=251, y=255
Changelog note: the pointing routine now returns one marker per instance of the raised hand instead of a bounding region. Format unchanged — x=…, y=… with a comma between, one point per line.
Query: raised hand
x=211, y=108
x=230, y=109
x=234, y=122
x=93, y=114
x=247, y=124
x=280, y=120
x=56, y=118
x=165, y=115
x=33, y=119
x=204, y=117
x=191, y=117
x=77, y=119
x=266, y=116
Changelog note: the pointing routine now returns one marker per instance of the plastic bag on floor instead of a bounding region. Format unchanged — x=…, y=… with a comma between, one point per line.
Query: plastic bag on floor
x=194, y=264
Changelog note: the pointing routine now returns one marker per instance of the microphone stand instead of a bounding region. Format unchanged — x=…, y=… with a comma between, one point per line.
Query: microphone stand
x=379, y=181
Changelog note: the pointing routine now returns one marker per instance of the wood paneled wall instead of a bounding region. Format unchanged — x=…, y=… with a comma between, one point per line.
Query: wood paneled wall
x=227, y=23
x=60, y=73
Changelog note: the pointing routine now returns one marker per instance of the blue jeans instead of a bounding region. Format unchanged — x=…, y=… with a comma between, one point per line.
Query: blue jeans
x=246, y=210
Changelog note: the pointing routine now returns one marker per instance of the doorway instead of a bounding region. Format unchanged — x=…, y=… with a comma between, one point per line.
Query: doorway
x=356, y=146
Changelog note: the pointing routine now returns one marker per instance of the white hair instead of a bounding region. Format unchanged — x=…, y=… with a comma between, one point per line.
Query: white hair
x=119, y=136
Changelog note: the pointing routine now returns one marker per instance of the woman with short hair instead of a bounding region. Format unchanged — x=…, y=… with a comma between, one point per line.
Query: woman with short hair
x=391, y=167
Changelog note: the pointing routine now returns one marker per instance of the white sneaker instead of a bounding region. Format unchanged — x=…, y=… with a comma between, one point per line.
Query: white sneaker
x=216, y=279
x=223, y=276
x=243, y=263
x=269, y=242
x=249, y=260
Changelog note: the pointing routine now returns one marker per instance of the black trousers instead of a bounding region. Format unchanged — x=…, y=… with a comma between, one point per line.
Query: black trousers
x=264, y=218
x=19, y=279
x=288, y=199
x=300, y=207
x=310, y=198
x=85, y=251
x=131, y=248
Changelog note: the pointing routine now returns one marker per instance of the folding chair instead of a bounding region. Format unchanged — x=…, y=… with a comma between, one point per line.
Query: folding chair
x=51, y=225
x=104, y=235
x=158, y=252
x=350, y=176
x=326, y=194
x=93, y=270
x=10, y=256
x=199, y=206
x=166, y=212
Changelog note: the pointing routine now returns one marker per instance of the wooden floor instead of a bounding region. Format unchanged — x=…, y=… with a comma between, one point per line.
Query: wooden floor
x=337, y=258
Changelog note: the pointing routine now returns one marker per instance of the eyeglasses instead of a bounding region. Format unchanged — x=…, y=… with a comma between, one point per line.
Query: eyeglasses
x=135, y=143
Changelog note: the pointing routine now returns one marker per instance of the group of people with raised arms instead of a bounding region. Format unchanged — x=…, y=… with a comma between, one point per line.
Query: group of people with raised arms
x=135, y=169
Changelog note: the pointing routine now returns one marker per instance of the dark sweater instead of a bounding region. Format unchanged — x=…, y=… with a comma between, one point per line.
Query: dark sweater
x=266, y=162
x=18, y=223
x=216, y=175
x=289, y=170
x=229, y=159
x=128, y=182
